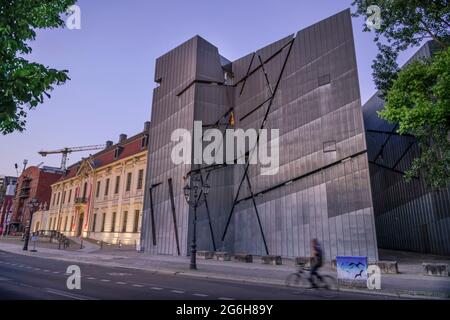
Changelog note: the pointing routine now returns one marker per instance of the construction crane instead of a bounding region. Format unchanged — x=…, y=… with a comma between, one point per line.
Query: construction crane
x=66, y=151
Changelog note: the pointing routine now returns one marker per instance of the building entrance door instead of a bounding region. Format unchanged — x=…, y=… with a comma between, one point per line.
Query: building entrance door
x=80, y=225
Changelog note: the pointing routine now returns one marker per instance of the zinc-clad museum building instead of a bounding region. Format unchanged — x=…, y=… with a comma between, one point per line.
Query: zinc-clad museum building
x=305, y=85
x=408, y=215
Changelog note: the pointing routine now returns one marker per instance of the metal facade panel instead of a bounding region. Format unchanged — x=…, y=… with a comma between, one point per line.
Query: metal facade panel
x=307, y=86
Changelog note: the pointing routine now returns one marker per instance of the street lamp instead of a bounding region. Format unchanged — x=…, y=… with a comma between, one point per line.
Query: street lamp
x=195, y=194
x=32, y=206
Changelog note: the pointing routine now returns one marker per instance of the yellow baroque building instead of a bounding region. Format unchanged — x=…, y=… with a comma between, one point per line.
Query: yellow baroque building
x=101, y=197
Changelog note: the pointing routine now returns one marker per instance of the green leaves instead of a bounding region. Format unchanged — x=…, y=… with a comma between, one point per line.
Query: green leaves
x=24, y=85
x=404, y=23
x=419, y=101
x=417, y=97
x=385, y=68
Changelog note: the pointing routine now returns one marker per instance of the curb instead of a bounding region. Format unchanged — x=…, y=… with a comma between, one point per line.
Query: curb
x=409, y=294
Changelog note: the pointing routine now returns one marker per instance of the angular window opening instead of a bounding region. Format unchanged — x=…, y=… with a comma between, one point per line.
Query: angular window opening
x=329, y=146
x=323, y=80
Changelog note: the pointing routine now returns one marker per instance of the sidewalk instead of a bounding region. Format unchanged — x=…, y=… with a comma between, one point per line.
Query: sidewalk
x=409, y=283
x=85, y=246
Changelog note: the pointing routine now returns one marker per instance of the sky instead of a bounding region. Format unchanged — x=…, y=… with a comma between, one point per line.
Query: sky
x=111, y=62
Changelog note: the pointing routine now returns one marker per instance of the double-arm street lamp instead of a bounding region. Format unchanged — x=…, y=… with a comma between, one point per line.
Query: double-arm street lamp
x=195, y=194
x=32, y=205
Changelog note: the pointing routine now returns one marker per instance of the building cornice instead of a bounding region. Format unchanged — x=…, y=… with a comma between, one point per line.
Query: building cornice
x=95, y=171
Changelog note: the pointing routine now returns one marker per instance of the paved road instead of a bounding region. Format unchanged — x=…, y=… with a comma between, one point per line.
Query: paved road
x=23, y=277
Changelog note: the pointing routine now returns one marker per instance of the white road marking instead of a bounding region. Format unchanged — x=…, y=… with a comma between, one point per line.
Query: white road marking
x=46, y=270
x=200, y=295
x=67, y=295
x=91, y=278
x=156, y=288
x=138, y=285
x=119, y=274
x=120, y=282
x=55, y=272
x=37, y=269
x=105, y=280
x=177, y=291
x=225, y=298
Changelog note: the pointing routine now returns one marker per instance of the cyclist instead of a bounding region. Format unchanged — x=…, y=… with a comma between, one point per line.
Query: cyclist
x=316, y=262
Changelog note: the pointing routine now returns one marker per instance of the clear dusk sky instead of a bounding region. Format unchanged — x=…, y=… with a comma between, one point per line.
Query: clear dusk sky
x=111, y=63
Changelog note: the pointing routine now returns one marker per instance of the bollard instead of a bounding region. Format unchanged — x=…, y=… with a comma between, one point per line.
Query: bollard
x=81, y=244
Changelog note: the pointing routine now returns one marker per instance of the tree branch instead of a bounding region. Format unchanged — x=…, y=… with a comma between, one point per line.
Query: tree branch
x=434, y=36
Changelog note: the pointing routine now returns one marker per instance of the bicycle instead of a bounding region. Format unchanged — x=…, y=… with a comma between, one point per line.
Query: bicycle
x=327, y=285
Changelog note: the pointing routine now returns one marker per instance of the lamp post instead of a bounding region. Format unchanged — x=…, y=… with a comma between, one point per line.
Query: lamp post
x=32, y=206
x=195, y=194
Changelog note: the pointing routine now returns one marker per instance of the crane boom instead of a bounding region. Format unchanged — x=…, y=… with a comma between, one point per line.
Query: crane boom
x=67, y=150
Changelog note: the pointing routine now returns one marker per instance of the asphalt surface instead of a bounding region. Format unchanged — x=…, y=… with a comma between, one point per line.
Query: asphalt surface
x=24, y=277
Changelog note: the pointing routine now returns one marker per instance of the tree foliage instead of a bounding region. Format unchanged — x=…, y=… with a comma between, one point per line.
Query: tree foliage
x=419, y=101
x=404, y=23
x=417, y=96
x=24, y=84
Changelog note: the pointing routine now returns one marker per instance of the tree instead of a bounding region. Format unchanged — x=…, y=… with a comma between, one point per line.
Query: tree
x=419, y=101
x=404, y=23
x=416, y=95
x=23, y=84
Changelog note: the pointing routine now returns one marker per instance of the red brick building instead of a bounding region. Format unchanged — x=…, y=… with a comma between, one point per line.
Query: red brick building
x=34, y=182
x=5, y=210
